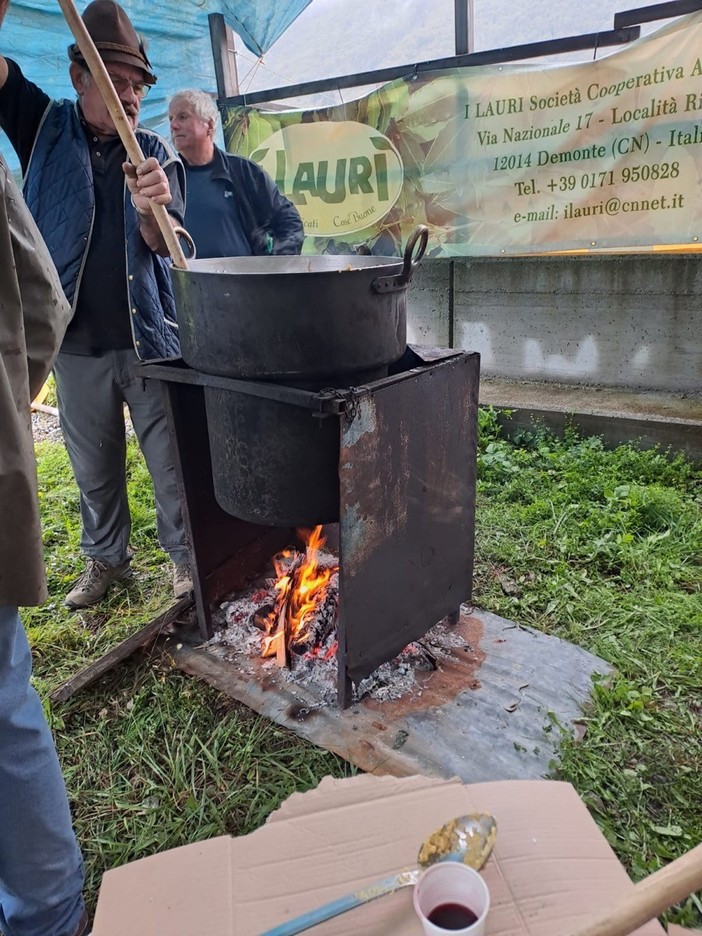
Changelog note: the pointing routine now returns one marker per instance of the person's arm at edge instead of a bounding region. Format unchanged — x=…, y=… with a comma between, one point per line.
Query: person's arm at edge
x=46, y=311
x=285, y=222
x=4, y=4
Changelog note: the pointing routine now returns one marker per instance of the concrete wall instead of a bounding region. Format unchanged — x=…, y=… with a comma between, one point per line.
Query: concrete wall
x=620, y=321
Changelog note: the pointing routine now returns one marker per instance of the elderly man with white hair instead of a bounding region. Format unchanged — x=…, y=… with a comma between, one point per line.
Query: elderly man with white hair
x=234, y=208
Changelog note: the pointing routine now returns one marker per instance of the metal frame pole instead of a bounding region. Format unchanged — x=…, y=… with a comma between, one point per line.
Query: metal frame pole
x=222, y=39
x=464, y=26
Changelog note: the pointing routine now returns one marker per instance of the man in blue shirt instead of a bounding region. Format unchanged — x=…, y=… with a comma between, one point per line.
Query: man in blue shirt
x=234, y=208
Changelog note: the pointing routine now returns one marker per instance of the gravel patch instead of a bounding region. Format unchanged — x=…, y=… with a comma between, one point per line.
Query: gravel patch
x=45, y=428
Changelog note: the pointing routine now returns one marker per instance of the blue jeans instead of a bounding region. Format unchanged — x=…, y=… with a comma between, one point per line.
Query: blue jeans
x=41, y=868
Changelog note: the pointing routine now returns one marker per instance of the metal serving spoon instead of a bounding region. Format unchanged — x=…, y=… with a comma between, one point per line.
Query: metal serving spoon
x=468, y=839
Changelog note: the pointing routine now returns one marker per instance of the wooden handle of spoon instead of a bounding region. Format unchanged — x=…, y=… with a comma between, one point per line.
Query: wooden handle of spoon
x=649, y=898
x=119, y=118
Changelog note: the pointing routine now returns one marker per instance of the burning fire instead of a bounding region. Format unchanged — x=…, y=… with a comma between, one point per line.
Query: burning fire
x=301, y=588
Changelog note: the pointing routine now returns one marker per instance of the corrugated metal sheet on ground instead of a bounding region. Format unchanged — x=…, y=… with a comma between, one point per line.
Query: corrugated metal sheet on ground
x=490, y=712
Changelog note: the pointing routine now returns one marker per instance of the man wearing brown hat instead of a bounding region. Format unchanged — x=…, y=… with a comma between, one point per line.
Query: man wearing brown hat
x=111, y=258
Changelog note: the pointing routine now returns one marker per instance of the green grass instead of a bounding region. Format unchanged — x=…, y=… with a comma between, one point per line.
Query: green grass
x=151, y=758
x=171, y=761
x=602, y=548
x=605, y=550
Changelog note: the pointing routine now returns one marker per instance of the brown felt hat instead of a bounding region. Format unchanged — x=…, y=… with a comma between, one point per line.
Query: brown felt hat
x=114, y=36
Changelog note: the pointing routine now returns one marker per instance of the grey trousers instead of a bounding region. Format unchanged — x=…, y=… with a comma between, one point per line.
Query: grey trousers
x=92, y=391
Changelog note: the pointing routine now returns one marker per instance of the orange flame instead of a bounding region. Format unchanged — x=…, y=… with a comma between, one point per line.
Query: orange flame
x=301, y=591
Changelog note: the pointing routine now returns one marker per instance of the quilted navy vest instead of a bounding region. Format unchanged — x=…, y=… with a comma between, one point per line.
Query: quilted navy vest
x=58, y=188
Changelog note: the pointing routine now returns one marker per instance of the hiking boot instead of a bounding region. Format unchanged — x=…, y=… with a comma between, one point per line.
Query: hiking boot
x=94, y=582
x=182, y=579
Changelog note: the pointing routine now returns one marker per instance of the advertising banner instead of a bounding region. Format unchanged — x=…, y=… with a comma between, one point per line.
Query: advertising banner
x=501, y=159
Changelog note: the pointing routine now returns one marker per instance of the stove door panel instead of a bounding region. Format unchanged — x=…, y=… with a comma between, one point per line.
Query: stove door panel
x=407, y=481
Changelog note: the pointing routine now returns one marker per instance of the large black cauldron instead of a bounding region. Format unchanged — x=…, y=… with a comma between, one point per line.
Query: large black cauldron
x=295, y=319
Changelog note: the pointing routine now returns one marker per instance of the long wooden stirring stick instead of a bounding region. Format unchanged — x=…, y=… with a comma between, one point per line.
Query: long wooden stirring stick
x=649, y=898
x=124, y=129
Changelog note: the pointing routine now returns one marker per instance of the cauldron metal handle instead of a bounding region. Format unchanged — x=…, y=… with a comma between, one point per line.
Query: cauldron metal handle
x=182, y=233
x=385, y=284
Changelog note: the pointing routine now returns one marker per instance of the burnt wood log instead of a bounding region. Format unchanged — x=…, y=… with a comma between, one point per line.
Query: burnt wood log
x=137, y=641
x=261, y=617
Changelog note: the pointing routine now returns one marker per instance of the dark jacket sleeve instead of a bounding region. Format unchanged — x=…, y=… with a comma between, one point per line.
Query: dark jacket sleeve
x=274, y=222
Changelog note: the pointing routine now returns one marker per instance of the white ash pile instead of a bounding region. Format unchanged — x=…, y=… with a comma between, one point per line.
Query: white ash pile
x=240, y=637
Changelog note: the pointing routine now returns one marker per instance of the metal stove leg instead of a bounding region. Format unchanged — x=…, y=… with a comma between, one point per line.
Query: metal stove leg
x=344, y=693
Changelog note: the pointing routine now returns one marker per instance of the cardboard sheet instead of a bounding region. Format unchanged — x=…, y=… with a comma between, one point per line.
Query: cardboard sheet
x=551, y=866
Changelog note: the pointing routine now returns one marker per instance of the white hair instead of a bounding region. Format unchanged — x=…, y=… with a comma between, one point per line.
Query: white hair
x=200, y=101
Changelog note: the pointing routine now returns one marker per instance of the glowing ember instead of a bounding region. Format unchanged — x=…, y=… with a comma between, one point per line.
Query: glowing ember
x=301, y=589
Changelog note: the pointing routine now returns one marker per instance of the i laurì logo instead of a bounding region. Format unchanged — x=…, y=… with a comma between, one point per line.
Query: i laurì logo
x=342, y=176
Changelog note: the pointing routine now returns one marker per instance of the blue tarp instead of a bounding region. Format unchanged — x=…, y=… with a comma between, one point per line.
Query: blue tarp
x=35, y=34
x=259, y=22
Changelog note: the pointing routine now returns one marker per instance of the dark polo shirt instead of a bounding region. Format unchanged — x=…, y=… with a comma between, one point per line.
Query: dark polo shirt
x=213, y=217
